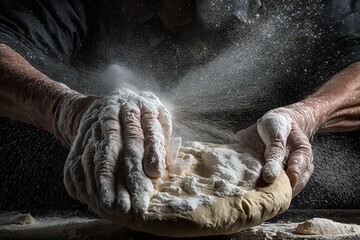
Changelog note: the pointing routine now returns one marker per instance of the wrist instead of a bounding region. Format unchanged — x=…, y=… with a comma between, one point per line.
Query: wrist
x=67, y=115
x=307, y=115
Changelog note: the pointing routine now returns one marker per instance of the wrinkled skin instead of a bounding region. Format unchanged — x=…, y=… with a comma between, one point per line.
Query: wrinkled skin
x=117, y=134
x=279, y=139
x=282, y=135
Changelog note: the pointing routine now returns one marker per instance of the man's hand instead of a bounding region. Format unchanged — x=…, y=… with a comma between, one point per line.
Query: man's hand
x=285, y=132
x=119, y=144
x=281, y=138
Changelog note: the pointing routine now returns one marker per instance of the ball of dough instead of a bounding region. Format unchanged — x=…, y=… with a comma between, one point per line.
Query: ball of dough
x=22, y=219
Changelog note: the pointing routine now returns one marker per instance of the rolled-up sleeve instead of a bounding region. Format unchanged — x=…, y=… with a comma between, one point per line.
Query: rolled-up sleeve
x=54, y=28
x=342, y=20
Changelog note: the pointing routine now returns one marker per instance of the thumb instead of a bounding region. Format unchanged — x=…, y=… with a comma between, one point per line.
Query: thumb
x=274, y=129
x=274, y=158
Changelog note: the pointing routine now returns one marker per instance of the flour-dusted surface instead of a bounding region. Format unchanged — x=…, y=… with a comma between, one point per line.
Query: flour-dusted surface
x=85, y=226
x=315, y=228
x=208, y=189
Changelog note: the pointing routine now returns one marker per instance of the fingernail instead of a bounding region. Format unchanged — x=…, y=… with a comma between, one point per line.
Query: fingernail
x=293, y=177
x=123, y=209
x=152, y=168
x=154, y=164
x=107, y=200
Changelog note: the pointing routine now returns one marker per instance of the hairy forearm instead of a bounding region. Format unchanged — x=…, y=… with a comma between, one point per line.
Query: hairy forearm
x=335, y=106
x=344, y=90
x=29, y=96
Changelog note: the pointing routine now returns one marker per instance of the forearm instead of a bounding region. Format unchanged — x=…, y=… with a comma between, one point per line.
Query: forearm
x=344, y=90
x=29, y=96
x=335, y=106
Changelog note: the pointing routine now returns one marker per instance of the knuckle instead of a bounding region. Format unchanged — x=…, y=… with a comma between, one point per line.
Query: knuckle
x=105, y=169
x=133, y=151
x=275, y=152
x=132, y=121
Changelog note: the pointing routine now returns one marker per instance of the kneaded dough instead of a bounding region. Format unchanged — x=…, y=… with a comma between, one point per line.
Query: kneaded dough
x=210, y=189
x=326, y=227
x=22, y=219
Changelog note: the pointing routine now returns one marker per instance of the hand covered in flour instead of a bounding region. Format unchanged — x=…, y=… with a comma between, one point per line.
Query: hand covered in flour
x=120, y=143
x=282, y=136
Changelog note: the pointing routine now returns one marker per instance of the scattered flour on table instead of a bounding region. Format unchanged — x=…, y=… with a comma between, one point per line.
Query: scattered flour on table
x=318, y=228
x=60, y=228
x=84, y=228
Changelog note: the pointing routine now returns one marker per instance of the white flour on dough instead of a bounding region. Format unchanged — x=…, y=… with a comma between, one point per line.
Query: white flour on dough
x=208, y=189
x=202, y=171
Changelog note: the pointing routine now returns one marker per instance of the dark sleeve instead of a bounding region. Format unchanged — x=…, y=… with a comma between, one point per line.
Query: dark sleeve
x=342, y=18
x=55, y=28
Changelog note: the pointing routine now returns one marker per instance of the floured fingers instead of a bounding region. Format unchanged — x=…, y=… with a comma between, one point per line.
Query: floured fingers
x=300, y=164
x=107, y=154
x=74, y=178
x=274, y=129
x=120, y=142
x=138, y=183
x=157, y=128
